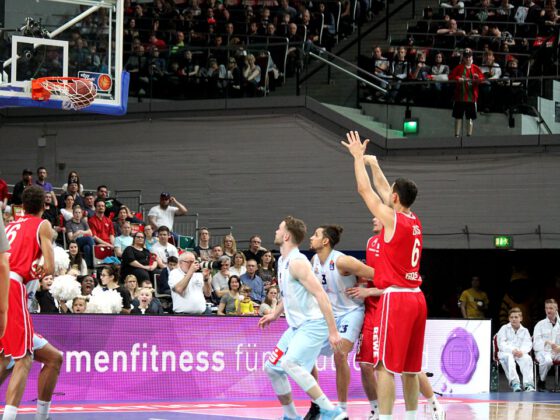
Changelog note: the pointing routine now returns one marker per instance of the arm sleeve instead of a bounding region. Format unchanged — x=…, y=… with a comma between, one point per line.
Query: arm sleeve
x=463, y=297
x=503, y=344
x=128, y=255
x=527, y=344
x=538, y=337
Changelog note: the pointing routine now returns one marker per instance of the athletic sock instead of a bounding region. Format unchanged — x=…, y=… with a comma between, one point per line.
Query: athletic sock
x=343, y=405
x=385, y=417
x=43, y=408
x=374, y=405
x=10, y=412
x=410, y=415
x=290, y=410
x=324, y=403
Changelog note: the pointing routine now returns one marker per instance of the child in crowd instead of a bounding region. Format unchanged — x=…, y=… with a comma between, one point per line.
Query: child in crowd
x=154, y=304
x=163, y=280
x=79, y=305
x=45, y=300
x=514, y=345
x=145, y=297
x=245, y=306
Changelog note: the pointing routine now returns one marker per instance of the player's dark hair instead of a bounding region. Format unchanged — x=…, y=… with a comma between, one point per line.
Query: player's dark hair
x=40, y=168
x=297, y=228
x=98, y=200
x=406, y=190
x=332, y=233
x=33, y=199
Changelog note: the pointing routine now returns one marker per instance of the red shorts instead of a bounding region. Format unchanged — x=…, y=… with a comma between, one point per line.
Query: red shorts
x=18, y=338
x=398, y=332
x=364, y=353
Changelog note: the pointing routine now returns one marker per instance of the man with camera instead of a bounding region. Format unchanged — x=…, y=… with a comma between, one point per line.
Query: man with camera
x=189, y=287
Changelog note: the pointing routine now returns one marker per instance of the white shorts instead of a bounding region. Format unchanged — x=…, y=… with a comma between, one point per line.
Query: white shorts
x=38, y=343
x=349, y=326
x=300, y=345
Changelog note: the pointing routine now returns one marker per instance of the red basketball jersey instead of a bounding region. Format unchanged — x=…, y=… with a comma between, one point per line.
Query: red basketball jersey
x=25, y=248
x=399, y=258
x=372, y=255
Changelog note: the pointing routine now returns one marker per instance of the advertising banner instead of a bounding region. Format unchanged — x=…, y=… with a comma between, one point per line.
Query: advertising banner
x=210, y=358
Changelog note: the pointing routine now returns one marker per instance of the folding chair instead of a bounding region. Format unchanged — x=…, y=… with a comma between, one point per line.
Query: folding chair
x=186, y=243
x=100, y=252
x=157, y=294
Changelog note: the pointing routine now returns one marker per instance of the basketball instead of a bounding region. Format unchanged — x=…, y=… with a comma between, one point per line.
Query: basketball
x=82, y=92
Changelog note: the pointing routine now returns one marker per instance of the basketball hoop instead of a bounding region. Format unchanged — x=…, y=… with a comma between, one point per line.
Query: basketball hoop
x=76, y=93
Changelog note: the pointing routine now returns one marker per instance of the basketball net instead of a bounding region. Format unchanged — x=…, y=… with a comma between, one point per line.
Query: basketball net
x=76, y=93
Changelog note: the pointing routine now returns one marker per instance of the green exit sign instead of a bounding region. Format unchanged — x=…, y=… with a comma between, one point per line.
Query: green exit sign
x=503, y=242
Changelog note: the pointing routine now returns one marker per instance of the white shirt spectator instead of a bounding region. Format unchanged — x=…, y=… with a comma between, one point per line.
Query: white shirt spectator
x=219, y=282
x=164, y=252
x=164, y=217
x=509, y=339
x=546, y=331
x=192, y=301
x=238, y=272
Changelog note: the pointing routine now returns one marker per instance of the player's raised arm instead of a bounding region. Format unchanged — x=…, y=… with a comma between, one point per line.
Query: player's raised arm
x=373, y=201
x=301, y=269
x=380, y=183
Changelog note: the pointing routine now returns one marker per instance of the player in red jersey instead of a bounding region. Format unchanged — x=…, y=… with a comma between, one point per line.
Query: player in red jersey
x=4, y=278
x=364, y=354
x=400, y=319
x=29, y=238
x=370, y=294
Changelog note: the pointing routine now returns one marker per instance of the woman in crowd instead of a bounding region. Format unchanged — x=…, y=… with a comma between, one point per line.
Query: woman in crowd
x=73, y=177
x=88, y=283
x=109, y=281
x=68, y=211
x=238, y=267
x=229, y=246
x=251, y=75
x=220, y=279
x=270, y=301
x=150, y=238
x=136, y=259
x=124, y=215
x=267, y=270
x=131, y=285
x=230, y=301
x=76, y=261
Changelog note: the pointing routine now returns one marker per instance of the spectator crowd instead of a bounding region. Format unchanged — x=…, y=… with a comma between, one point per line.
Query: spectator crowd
x=509, y=40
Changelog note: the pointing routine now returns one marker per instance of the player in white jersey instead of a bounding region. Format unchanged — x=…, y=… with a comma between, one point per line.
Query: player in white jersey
x=311, y=322
x=337, y=273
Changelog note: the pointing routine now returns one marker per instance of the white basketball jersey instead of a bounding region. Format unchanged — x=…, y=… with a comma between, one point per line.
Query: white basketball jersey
x=336, y=284
x=299, y=304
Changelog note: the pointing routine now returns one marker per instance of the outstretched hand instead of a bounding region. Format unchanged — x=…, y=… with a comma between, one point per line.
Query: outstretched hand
x=354, y=145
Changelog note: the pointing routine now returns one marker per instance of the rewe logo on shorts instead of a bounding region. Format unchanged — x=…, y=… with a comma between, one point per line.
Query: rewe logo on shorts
x=375, y=342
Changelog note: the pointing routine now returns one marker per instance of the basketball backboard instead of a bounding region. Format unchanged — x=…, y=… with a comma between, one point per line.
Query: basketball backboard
x=64, y=38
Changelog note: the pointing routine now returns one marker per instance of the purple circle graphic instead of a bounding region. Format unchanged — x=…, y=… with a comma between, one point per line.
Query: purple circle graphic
x=459, y=356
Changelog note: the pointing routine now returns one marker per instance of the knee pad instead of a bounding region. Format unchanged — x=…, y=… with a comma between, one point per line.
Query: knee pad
x=301, y=376
x=278, y=379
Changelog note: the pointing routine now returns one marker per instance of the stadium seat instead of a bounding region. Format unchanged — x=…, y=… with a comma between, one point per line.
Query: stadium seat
x=100, y=252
